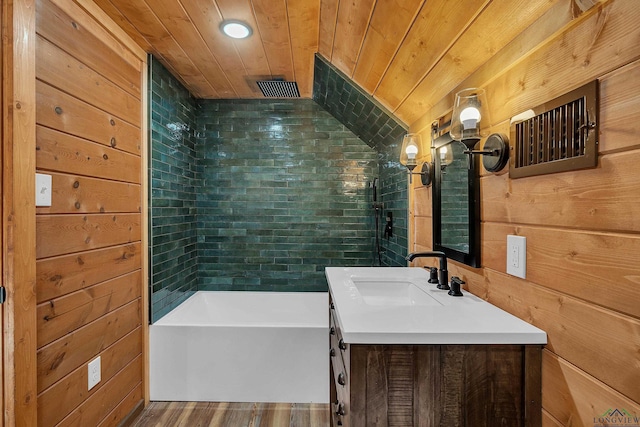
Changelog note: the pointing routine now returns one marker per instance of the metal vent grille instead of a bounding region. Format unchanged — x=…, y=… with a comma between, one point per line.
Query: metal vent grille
x=278, y=89
x=561, y=136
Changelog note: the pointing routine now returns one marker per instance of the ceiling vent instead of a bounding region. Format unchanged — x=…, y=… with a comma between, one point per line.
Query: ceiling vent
x=560, y=135
x=278, y=89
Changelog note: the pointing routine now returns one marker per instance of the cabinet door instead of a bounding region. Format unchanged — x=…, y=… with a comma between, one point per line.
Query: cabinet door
x=339, y=376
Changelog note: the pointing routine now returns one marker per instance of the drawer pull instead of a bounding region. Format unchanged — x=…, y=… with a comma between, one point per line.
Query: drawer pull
x=332, y=331
x=340, y=410
x=341, y=379
x=342, y=345
x=332, y=352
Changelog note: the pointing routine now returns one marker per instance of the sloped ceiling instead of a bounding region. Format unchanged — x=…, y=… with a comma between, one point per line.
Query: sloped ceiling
x=407, y=54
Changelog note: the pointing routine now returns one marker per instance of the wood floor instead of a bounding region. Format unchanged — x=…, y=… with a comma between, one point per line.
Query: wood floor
x=214, y=414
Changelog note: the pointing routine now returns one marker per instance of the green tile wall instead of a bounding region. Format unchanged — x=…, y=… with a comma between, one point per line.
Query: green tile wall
x=379, y=129
x=264, y=194
x=283, y=195
x=173, y=238
x=353, y=107
x=393, y=179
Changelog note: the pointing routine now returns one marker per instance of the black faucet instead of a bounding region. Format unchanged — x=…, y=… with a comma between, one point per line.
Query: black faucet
x=443, y=274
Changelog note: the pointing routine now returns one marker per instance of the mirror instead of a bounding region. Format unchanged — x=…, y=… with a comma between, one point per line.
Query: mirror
x=456, y=201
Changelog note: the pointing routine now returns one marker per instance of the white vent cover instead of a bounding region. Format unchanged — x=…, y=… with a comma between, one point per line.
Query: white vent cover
x=279, y=89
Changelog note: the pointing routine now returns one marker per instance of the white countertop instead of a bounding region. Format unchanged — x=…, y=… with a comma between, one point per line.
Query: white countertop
x=367, y=313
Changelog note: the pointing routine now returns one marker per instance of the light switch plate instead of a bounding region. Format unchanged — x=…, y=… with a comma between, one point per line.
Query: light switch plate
x=517, y=256
x=94, y=372
x=43, y=190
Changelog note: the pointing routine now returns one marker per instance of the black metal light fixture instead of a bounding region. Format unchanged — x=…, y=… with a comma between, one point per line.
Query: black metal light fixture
x=495, y=152
x=412, y=149
x=469, y=124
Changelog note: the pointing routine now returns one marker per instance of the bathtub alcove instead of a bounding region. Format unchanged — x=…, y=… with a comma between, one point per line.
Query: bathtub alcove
x=242, y=347
x=250, y=200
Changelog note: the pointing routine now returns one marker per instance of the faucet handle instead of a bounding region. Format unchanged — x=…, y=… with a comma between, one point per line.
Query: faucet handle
x=455, y=286
x=433, y=274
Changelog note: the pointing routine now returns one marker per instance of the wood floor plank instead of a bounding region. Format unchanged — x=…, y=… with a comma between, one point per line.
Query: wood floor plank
x=222, y=414
x=238, y=414
x=217, y=416
x=300, y=417
x=201, y=415
x=275, y=415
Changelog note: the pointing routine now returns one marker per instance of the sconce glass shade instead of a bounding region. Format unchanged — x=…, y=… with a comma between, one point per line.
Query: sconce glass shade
x=446, y=156
x=470, y=119
x=411, y=150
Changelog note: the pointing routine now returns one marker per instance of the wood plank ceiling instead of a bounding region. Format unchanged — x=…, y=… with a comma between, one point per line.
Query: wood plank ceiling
x=408, y=54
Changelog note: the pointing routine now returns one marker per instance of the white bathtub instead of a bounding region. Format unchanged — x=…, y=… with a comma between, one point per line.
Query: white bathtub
x=242, y=347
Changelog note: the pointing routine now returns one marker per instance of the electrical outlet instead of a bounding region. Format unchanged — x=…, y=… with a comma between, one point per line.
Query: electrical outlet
x=517, y=256
x=94, y=372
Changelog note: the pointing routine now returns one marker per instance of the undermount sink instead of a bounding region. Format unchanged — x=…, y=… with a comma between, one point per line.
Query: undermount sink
x=390, y=292
x=398, y=305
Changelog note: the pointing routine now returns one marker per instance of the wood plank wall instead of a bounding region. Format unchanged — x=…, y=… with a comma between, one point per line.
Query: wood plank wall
x=582, y=227
x=89, y=243
x=3, y=123
x=18, y=213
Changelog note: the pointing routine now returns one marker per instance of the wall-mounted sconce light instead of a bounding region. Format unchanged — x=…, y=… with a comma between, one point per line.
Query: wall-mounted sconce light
x=235, y=29
x=470, y=117
x=411, y=151
x=446, y=157
x=495, y=152
x=441, y=147
x=469, y=124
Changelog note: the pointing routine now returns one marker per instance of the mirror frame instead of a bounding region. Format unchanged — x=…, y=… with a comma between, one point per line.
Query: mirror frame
x=473, y=187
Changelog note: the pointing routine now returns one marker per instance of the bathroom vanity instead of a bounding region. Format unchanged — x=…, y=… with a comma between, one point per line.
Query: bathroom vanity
x=404, y=353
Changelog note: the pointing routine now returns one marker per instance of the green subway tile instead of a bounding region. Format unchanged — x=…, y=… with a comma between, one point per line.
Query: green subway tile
x=274, y=191
x=173, y=273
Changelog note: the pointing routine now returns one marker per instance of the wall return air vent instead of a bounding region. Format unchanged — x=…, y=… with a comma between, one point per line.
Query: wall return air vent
x=278, y=89
x=558, y=136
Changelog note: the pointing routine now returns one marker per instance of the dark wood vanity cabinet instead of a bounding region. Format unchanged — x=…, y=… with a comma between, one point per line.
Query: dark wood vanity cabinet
x=433, y=385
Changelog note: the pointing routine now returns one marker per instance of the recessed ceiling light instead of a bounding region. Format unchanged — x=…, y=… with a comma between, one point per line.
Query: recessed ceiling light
x=236, y=29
